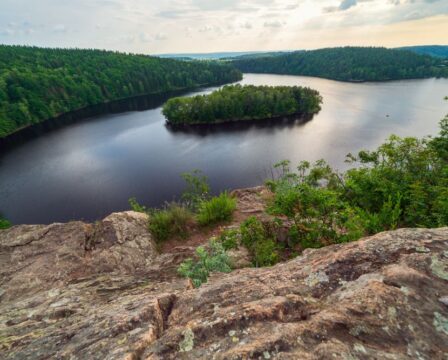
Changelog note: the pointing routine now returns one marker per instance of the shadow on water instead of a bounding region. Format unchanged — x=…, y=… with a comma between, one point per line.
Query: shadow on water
x=269, y=125
x=139, y=103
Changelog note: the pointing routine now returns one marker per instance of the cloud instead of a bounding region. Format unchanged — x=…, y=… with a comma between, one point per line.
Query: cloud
x=274, y=24
x=161, y=36
x=205, y=28
x=195, y=25
x=171, y=14
x=7, y=32
x=60, y=28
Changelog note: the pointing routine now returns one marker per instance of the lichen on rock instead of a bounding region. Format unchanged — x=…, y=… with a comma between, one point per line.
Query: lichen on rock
x=96, y=291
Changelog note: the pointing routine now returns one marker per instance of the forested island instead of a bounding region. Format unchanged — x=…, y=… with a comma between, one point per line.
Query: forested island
x=241, y=103
x=37, y=84
x=349, y=64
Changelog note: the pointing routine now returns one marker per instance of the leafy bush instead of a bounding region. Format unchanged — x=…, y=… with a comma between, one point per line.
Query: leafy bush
x=230, y=239
x=402, y=183
x=169, y=222
x=219, y=208
x=259, y=243
x=4, y=224
x=197, y=189
x=266, y=253
x=207, y=261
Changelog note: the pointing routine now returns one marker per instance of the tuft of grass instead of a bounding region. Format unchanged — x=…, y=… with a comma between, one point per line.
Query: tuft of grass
x=170, y=222
x=135, y=206
x=4, y=224
x=219, y=208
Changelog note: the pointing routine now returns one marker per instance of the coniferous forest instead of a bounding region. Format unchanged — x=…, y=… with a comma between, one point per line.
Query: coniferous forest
x=38, y=84
x=349, y=64
x=236, y=103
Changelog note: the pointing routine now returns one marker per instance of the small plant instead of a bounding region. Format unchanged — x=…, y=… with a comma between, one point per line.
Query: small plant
x=265, y=253
x=219, y=208
x=259, y=243
x=207, y=261
x=197, y=189
x=135, y=206
x=230, y=239
x=4, y=224
x=169, y=222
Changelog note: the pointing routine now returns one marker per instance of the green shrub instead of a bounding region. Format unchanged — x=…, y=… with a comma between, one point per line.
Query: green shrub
x=135, y=206
x=265, y=253
x=402, y=183
x=207, y=261
x=230, y=239
x=197, y=190
x=169, y=222
x=259, y=243
x=4, y=224
x=219, y=208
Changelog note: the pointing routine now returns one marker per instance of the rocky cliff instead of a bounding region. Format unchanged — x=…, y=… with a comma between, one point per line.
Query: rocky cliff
x=103, y=291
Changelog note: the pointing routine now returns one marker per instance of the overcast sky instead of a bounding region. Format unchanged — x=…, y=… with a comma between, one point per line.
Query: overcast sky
x=167, y=26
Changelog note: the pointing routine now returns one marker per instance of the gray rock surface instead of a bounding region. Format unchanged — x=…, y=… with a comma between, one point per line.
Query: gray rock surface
x=101, y=291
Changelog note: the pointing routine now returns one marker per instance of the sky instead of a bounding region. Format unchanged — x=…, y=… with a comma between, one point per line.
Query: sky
x=179, y=26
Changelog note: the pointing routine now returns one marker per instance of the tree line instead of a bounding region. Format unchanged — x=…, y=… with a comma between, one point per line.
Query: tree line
x=237, y=102
x=38, y=84
x=349, y=64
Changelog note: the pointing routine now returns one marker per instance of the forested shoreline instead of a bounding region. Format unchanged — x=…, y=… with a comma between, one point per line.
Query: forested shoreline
x=241, y=103
x=353, y=64
x=37, y=84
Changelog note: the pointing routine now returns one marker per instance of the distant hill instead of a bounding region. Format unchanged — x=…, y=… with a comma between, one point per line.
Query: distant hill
x=220, y=55
x=348, y=64
x=439, y=51
x=37, y=84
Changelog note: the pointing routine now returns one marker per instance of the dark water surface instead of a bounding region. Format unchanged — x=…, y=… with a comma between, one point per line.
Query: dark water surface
x=89, y=169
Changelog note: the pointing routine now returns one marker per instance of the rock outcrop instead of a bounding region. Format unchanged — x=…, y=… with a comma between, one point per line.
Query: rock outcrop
x=102, y=291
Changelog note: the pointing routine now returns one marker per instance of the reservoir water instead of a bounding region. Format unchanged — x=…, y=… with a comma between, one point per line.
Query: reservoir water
x=89, y=169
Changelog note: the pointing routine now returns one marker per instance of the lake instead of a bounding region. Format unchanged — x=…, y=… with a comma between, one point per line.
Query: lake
x=91, y=168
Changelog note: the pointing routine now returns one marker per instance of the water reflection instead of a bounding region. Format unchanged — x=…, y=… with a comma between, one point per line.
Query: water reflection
x=88, y=169
x=266, y=126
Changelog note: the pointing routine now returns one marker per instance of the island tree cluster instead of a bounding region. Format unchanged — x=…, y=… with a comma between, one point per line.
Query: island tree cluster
x=239, y=103
x=37, y=84
x=349, y=64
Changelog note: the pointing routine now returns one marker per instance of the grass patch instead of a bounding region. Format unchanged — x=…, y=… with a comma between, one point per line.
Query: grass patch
x=219, y=208
x=173, y=221
x=4, y=224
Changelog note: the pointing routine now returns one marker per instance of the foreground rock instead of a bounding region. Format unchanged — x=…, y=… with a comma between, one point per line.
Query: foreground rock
x=80, y=291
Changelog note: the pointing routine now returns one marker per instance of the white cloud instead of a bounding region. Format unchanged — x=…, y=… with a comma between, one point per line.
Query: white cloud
x=205, y=25
x=274, y=24
x=59, y=28
x=161, y=36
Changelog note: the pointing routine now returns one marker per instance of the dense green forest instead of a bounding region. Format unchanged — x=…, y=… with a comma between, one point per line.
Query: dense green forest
x=440, y=51
x=236, y=102
x=349, y=64
x=37, y=84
